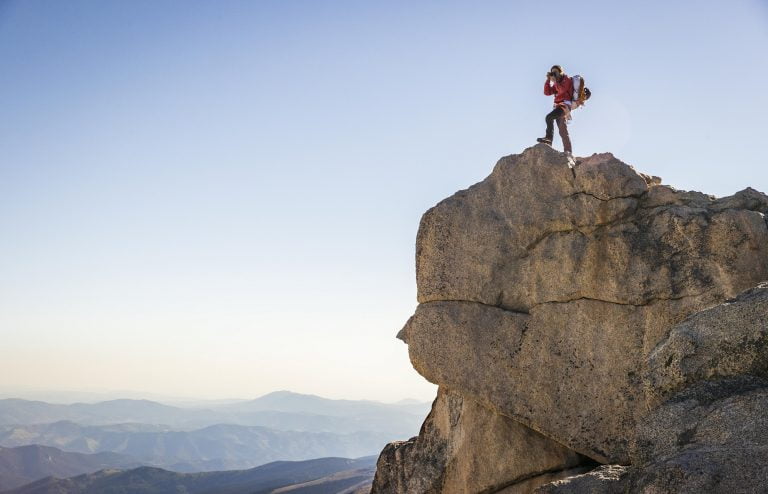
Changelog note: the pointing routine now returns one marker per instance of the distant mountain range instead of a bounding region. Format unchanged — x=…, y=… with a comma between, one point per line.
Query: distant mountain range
x=22, y=465
x=228, y=436
x=287, y=401
x=281, y=410
x=317, y=476
x=156, y=447
x=217, y=447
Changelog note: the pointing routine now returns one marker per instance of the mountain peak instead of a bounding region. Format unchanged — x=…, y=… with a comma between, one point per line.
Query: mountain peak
x=543, y=292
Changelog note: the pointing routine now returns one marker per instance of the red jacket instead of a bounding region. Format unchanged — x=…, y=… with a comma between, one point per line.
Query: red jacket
x=562, y=90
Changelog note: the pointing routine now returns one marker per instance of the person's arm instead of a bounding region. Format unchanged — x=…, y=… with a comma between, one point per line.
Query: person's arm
x=548, y=89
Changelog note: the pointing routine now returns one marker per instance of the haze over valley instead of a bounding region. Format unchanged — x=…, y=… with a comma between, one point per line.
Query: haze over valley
x=40, y=439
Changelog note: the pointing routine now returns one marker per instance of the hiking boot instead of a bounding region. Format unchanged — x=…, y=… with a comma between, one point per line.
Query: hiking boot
x=544, y=140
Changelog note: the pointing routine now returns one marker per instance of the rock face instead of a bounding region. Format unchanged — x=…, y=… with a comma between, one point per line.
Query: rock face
x=574, y=304
x=451, y=453
x=712, y=437
x=727, y=340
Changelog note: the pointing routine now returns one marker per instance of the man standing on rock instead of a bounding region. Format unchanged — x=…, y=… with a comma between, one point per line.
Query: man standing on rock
x=559, y=84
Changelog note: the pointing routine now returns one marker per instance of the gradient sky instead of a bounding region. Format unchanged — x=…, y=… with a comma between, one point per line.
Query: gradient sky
x=220, y=198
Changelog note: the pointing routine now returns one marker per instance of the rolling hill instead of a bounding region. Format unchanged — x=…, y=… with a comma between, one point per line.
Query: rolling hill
x=317, y=476
x=217, y=447
x=24, y=464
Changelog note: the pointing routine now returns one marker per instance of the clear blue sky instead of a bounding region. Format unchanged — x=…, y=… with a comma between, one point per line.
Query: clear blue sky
x=221, y=198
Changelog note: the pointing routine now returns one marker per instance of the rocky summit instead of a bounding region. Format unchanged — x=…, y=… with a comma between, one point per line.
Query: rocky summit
x=590, y=330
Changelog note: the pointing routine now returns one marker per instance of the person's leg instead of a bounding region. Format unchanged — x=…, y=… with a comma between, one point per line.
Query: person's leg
x=562, y=126
x=550, y=119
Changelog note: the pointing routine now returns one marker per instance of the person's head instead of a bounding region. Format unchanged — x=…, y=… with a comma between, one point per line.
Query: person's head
x=557, y=72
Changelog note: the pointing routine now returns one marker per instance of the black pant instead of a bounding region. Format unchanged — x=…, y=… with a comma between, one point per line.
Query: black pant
x=558, y=114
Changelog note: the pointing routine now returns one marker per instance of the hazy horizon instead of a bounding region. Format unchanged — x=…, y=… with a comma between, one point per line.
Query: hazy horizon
x=67, y=396
x=221, y=199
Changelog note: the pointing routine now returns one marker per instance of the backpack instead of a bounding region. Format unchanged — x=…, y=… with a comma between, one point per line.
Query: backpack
x=581, y=93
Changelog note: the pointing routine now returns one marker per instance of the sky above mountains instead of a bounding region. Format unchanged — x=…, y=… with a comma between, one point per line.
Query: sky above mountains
x=220, y=199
